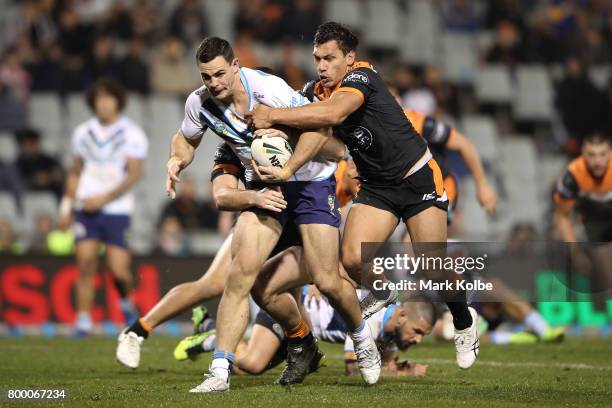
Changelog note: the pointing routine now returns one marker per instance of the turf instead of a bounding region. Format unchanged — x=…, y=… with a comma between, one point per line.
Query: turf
x=577, y=373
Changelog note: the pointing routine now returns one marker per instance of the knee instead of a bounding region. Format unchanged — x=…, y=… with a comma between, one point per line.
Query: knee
x=351, y=259
x=329, y=286
x=240, y=281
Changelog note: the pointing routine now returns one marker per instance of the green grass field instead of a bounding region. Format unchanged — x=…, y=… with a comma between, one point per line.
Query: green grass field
x=577, y=373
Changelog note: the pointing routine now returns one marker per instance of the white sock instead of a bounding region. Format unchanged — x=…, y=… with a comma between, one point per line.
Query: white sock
x=83, y=322
x=220, y=366
x=536, y=322
x=209, y=343
x=361, y=333
x=500, y=337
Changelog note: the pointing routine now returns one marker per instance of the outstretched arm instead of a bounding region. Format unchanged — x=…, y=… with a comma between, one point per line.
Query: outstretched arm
x=182, y=151
x=328, y=113
x=484, y=192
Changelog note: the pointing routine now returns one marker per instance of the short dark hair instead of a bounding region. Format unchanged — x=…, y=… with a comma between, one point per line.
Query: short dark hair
x=420, y=308
x=110, y=86
x=597, y=138
x=330, y=31
x=27, y=134
x=211, y=47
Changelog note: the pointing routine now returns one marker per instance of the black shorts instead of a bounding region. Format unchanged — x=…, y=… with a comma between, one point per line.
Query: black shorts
x=408, y=197
x=264, y=319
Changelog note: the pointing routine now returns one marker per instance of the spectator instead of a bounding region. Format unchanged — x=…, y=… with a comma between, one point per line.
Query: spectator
x=447, y=99
x=506, y=10
x=47, y=70
x=102, y=62
x=44, y=226
x=260, y=18
x=8, y=239
x=192, y=214
x=134, y=70
x=288, y=68
x=145, y=19
x=541, y=44
x=119, y=21
x=188, y=22
x=11, y=182
x=12, y=112
x=507, y=48
x=172, y=241
x=417, y=97
x=170, y=73
x=581, y=105
x=14, y=75
x=76, y=40
x=38, y=25
x=243, y=49
x=301, y=19
x=37, y=170
x=460, y=16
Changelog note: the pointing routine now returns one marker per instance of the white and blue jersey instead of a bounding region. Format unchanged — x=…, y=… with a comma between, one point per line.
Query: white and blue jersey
x=105, y=151
x=328, y=325
x=203, y=112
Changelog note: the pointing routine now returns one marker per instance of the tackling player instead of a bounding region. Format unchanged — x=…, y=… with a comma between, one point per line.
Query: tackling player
x=230, y=92
x=109, y=150
x=400, y=179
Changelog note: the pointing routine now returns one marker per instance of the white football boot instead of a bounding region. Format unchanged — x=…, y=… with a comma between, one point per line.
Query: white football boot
x=212, y=383
x=370, y=305
x=467, y=344
x=128, y=348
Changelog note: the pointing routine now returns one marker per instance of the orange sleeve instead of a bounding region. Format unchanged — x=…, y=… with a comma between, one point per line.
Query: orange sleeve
x=353, y=91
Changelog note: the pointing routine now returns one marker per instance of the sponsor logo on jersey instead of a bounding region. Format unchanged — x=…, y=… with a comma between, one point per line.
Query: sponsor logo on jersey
x=357, y=77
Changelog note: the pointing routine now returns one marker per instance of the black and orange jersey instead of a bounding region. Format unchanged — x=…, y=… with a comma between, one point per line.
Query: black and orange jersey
x=578, y=184
x=384, y=145
x=436, y=133
x=226, y=162
x=592, y=198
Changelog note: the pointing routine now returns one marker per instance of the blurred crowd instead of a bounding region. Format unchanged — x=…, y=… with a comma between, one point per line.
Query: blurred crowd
x=63, y=46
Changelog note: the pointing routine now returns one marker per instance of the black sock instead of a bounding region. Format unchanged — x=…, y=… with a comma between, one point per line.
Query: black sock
x=137, y=328
x=121, y=287
x=301, y=340
x=462, y=319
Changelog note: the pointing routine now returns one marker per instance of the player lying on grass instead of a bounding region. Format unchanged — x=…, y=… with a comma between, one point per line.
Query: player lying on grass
x=394, y=327
x=505, y=306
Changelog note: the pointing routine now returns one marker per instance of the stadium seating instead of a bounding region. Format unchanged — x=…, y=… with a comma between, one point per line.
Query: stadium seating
x=419, y=37
x=348, y=12
x=533, y=100
x=8, y=208
x=382, y=27
x=493, y=84
x=8, y=147
x=459, y=57
x=46, y=114
x=482, y=132
x=35, y=204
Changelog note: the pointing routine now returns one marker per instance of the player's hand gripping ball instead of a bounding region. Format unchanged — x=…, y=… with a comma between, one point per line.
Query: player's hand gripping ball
x=271, y=151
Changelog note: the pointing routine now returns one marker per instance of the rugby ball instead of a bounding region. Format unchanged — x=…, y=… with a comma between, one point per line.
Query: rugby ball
x=271, y=151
